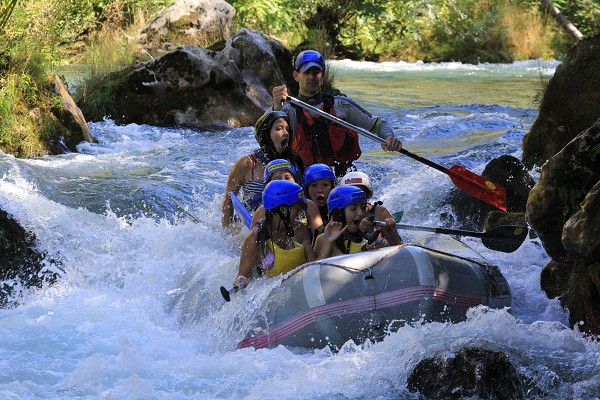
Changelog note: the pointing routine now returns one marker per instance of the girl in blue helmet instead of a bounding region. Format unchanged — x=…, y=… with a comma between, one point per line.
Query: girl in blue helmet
x=319, y=179
x=279, y=243
x=281, y=169
x=342, y=235
x=273, y=134
x=375, y=212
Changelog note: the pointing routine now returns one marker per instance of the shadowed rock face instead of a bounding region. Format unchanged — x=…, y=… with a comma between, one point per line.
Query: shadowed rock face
x=570, y=105
x=564, y=183
x=563, y=205
x=563, y=209
x=471, y=372
x=21, y=265
x=201, y=88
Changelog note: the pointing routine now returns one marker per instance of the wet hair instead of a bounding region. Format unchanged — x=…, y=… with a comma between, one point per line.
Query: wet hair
x=265, y=230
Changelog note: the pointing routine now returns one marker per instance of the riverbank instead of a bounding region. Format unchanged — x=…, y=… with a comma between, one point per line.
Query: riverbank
x=105, y=37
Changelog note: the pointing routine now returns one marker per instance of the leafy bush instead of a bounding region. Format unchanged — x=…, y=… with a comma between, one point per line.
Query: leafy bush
x=36, y=38
x=433, y=30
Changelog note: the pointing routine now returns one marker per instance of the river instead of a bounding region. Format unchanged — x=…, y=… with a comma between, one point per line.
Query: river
x=137, y=313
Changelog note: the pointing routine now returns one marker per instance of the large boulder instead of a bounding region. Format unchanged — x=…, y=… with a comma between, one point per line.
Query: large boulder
x=21, y=264
x=570, y=105
x=563, y=210
x=187, y=22
x=581, y=233
x=564, y=182
x=201, y=88
x=469, y=373
x=562, y=207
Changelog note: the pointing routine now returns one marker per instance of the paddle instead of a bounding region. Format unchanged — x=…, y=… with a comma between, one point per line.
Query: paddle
x=505, y=238
x=241, y=210
x=477, y=186
x=227, y=293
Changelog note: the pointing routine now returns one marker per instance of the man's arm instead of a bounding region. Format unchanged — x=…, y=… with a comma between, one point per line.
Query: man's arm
x=353, y=113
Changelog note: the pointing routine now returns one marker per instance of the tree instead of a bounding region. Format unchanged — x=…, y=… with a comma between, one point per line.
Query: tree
x=555, y=12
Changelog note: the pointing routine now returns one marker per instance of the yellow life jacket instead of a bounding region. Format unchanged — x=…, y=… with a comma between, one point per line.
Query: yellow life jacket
x=354, y=247
x=285, y=260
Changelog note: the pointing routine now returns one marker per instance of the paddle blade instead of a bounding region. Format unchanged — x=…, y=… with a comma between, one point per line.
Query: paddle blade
x=505, y=238
x=478, y=186
x=225, y=294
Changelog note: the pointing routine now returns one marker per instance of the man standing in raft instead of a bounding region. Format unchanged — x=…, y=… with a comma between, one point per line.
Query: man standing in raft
x=316, y=139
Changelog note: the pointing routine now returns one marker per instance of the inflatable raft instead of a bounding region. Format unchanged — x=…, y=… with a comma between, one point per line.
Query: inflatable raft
x=366, y=295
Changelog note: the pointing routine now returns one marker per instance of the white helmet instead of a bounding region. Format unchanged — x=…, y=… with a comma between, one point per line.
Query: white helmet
x=357, y=178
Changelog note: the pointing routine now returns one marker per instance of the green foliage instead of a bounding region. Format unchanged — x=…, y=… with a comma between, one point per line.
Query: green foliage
x=469, y=31
x=584, y=14
x=8, y=101
x=97, y=98
x=433, y=30
x=36, y=34
x=271, y=17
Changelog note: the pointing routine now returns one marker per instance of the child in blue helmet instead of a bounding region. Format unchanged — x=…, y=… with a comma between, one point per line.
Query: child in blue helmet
x=279, y=243
x=281, y=169
x=342, y=235
x=273, y=134
x=375, y=212
x=319, y=179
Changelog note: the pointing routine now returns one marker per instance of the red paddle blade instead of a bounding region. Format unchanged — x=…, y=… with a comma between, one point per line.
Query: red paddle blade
x=478, y=186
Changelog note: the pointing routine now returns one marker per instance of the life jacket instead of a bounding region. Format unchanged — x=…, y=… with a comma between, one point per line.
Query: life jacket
x=319, y=140
x=353, y=247
x=285, y=260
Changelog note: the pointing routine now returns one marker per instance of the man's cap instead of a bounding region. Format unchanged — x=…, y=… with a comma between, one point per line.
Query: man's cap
x=309, y=59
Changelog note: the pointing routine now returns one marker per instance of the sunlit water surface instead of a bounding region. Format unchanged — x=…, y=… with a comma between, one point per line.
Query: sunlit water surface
x=137, y=313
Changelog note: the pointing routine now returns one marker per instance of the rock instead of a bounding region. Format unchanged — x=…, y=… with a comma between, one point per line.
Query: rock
x=201, y=88
x=581, y=296
x=564, y=182
x=505, y=170
x=571, y=103
x=510, y=172
x=20, y=264
x=498, y=218
x=187, y=22
x=472, y=372
x=554, y=278
x=581, y=233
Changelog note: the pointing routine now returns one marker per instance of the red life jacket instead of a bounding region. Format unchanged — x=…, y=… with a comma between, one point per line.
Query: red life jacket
x=318, y=140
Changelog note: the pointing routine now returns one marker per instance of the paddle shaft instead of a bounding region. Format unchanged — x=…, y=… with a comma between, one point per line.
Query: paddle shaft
x=364, y=132
x=477, y=186
x=459, y=232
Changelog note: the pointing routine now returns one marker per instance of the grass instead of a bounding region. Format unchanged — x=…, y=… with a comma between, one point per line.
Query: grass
x=530, y=34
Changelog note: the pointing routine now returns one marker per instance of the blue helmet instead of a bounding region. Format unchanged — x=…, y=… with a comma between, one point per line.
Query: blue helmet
x=316, y=172
x=308, y=59
x=282, y=192
x=278, y=165
x=341, y=196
